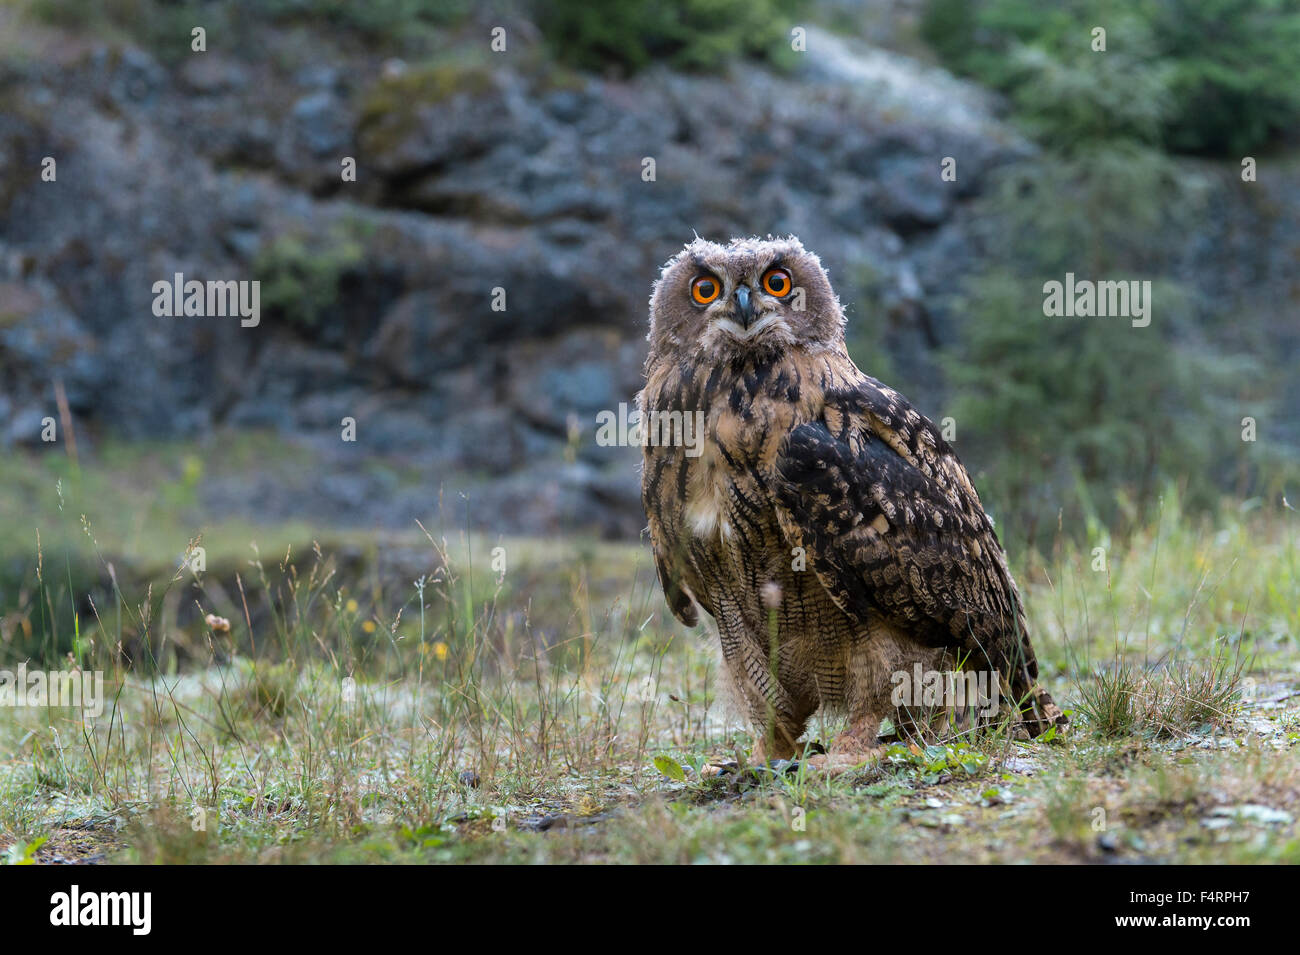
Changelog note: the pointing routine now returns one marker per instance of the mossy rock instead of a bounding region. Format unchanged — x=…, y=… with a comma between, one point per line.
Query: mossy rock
x=300, y=277
x=395, y=108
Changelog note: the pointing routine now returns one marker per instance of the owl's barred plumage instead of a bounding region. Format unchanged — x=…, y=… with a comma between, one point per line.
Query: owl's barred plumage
x=825, y=518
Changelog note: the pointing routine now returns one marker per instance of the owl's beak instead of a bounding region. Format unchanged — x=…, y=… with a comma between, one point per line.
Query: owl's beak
x=744, y=305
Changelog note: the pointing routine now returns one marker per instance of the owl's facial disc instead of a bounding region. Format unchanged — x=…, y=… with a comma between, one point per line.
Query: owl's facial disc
x=753, y=309
x=752, y=297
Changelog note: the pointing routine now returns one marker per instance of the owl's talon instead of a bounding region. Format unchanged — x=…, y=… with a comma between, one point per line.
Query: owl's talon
x=717, y=770
x=836, y=763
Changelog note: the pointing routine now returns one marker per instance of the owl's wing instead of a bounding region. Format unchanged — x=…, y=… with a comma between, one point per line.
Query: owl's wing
x=893, y=528
x=670, y=578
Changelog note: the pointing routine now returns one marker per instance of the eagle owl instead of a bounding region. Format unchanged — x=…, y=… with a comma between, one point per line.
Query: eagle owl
x=824, y=523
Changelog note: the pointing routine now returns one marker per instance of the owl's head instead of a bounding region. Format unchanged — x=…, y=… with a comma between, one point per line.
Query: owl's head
x=719, y=302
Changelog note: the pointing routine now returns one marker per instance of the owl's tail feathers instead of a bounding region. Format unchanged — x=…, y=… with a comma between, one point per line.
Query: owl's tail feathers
x=1037, y=711
x=1034, y=708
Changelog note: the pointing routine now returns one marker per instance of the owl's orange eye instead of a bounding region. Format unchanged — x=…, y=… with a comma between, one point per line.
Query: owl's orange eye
x=777, y=282
x=705, y=289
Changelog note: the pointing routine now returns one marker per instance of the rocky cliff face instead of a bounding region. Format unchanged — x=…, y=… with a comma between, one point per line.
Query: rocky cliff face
x=377, y=295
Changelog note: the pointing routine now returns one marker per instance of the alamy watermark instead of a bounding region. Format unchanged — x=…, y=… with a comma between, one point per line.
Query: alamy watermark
x=978, y=690
x=58, y=688
x=661, y=429
x=211, y=299
x=75, y=907
x=1087, y=299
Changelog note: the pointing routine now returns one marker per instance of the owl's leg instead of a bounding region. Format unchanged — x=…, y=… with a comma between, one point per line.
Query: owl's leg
x=856, y=746
x=872, y=658
x=778, y=719
x=860, y=739
x=778, y=723
x=867, y=698
x=777, y=740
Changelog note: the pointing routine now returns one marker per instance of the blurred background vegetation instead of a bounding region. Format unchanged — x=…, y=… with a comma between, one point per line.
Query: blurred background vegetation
x=1120, y=416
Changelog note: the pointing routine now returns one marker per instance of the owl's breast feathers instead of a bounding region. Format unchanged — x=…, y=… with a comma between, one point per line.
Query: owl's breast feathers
x=885, y=512
x=698, y=503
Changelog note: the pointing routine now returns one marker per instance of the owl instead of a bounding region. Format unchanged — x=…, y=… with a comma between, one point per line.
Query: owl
x=824, y=523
